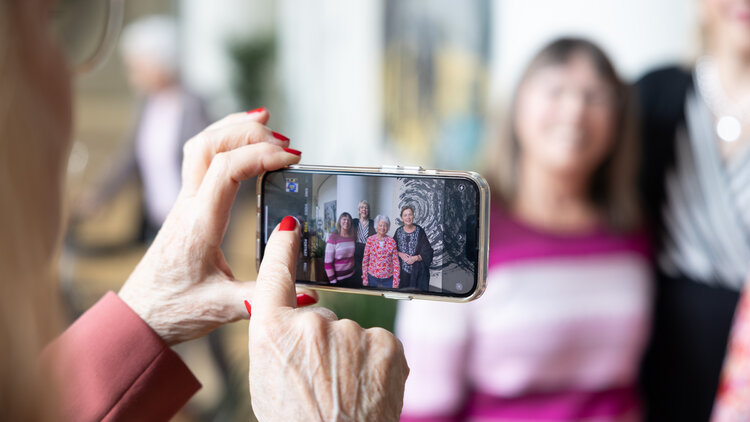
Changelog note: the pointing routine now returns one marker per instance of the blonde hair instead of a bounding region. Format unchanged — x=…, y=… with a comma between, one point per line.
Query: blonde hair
x=28, y=235
x=614, y=182
x=364, y=202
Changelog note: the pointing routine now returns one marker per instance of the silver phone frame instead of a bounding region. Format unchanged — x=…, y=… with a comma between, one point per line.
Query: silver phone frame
x=484, y=225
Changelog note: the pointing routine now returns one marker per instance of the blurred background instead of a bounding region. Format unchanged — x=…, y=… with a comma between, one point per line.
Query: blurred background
x=368, y=82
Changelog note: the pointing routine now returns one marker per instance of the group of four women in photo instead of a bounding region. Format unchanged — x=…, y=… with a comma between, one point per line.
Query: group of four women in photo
x=360, y=251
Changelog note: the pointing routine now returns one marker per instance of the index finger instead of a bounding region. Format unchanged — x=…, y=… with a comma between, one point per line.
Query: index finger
x=274, y=287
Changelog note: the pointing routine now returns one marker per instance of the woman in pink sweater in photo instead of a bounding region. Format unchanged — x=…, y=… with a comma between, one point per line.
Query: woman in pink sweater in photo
x=339, y=259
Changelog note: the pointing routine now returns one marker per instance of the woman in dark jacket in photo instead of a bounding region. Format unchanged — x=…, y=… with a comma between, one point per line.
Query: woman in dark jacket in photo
x=414, y=252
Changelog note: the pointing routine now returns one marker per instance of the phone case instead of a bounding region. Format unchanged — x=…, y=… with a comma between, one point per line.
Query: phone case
x=483, y=237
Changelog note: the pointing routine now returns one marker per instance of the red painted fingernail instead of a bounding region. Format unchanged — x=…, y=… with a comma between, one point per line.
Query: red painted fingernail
x=288, y=223
x=279, y=136
x=293, y=151
x=305, y=300
x=249, y=308
x=257, y=110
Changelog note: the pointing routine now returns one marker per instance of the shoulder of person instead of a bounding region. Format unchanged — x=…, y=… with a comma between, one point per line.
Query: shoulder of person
x=665, y=73
x=191, y=98
x=664, y=88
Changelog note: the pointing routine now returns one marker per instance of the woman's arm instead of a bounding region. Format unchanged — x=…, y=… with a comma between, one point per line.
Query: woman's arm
x=425, y=249
x=403, y=255
x=112, y=366
x=733, y=397
x=365, y=262
x=330, y=257
x=396, y=267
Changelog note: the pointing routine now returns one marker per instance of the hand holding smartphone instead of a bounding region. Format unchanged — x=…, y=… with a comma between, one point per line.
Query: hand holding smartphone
x=399, y=232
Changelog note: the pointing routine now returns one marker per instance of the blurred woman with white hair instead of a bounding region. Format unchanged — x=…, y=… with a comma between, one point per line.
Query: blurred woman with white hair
x=168, y=114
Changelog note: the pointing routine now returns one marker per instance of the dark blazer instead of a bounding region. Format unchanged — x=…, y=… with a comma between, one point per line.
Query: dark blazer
x=691, y=320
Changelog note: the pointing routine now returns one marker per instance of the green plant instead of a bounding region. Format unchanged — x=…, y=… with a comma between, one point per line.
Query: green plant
x=367, y=311
x=317, y=238
x=253, y=80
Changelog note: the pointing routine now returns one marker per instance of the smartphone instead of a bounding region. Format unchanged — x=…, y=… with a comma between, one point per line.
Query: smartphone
x=399, y=232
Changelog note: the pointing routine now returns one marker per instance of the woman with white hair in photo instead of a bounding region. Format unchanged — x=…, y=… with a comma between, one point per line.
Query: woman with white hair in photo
x=380, y=266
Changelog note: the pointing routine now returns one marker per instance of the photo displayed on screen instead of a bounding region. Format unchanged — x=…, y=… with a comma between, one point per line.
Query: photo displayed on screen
x=407, y=234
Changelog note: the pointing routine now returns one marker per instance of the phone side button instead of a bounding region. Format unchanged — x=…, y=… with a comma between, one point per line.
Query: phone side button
x=396, y=296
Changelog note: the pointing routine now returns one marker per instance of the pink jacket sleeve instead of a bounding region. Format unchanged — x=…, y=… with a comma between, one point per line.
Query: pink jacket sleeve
x=112, y=366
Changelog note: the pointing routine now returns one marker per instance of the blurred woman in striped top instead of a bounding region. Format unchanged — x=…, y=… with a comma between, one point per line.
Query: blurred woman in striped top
x=560, y=331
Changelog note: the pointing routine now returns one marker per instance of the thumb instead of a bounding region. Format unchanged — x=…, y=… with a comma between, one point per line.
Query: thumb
x=275, y=283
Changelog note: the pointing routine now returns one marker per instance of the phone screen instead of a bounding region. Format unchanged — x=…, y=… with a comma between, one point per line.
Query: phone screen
x=409, y=234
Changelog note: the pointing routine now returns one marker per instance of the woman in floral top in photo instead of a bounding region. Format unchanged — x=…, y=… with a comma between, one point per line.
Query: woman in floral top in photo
x=380, y=266
x=339, y=259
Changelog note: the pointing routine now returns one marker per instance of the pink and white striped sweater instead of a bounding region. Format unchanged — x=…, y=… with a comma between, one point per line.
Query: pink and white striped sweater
x=339, y=259
x=557, y=336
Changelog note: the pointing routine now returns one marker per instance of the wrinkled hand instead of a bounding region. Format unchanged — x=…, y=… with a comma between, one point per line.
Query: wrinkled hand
x=183, y=287
x=305, y=365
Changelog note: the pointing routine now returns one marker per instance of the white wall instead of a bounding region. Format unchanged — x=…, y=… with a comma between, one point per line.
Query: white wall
x=326, y=189
x=637, y=34
x=350, y=191
x=208, y=28
x=331, y=77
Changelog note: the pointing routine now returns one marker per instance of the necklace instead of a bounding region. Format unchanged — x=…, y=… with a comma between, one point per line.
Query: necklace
x=729, y=114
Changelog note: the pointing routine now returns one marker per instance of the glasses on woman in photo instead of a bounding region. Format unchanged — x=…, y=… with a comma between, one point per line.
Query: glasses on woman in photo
x=87, y=30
